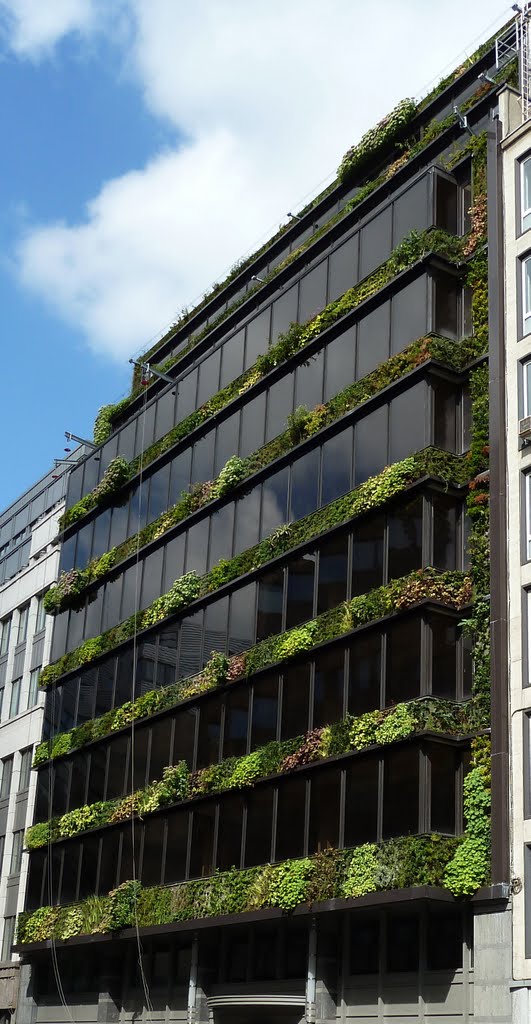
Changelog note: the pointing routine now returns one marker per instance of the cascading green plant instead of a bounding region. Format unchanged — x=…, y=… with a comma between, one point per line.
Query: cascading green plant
x=413, y=247
x=178, y=783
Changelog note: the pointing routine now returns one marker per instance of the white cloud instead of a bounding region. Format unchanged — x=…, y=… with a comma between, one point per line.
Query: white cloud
x=35, y=26
x=268, y=97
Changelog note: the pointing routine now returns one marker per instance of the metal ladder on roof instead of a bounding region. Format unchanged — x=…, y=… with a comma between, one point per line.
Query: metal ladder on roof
x=515, y=42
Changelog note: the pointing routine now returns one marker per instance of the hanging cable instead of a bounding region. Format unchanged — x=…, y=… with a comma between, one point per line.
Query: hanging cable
x=140, y=951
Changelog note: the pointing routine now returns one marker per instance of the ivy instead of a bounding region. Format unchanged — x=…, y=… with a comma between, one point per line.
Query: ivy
x=469, y=867
x=178, y=783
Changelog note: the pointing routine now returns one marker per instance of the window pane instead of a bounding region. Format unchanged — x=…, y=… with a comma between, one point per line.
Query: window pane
x=403, y=943
x=364, y=674
x=373, y=339
x=333, y=568
x=340, y=361
x=403, y=660
x=258, y=831
x=361, y=801
x=309, y=382
x=253, y=424
x=370, y=453
x=274, y=502
x=367, y=555
x=343, y=268
x=444, y=941
x=236, y=722
x=304, y=484
x=445, y=416
x=291, y=808
x=176, y=847
x=337, y=463
x=201, y=860
x=279, y=406
x=401, y=792
x=408, y=314
x=405, y=538
x=444, y=638
x=265, y=710
x=445, y=519
x=295, y=701
x=324, y=811
x=407, y=416
x=328, y=687
x=301, y=572
x=242, y=619
x=209, y=732
x=364, y=945
x=269, y=615
x=443, y=764
x=230, y=833
x=152, y=852
x=312, y=293
x=446, y=306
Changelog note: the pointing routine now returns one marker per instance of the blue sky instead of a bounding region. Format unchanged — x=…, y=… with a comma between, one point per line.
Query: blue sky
x=149, y=144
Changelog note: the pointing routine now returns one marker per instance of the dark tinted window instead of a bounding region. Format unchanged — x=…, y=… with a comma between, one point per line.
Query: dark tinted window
x=300, y=572
x=258, y=832
x=445, y=415
x=304, y=485
x=405, y=538
x=403, y=943
x=337, y=466
x=295, y=701
x=176, y=845
x=444, y=532
x=444, y=941
x=257, y=340
x=236, y=721
x=274, y=502
x=312, y=292
x=367, y=554
x=209, y=731
x=230, y=833
x=364, y=945
x=443, y=764
x=403, y=660
x=407, y=419
x=202, y=851
x=409, y=314
x=265, y=710
x=270, y=593
x=340, y=361
x=232, y=358
x=370, y=452
x=343, y=268
x=364, y=674
x=401, y=792
x=324, y=810
x=279, y=406
x=444, y=638
x=328, y=687
x=361, y=801
x=376, y=242
x=333, y=568
x=373, y=339
x=309, y=382
x=253, y=425
x=290, y=819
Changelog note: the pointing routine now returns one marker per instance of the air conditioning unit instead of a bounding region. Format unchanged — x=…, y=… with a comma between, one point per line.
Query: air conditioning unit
x=524, y=429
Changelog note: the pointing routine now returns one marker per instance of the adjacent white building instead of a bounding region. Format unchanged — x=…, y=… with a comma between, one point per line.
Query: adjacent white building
x=28, y=565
